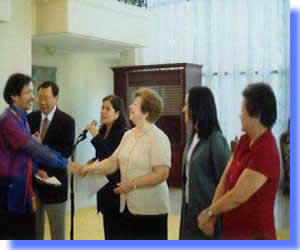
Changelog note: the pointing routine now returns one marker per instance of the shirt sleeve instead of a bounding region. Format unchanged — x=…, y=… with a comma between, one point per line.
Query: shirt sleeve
x=160, y=151
x=35, y=167
x=41, y=154
x=14, y=136
x=260, y=161
x=124, y=138
x=220, y=154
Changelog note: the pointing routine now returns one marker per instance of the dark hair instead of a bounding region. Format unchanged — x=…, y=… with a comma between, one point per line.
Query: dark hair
x=53, y=85
x=119, y=106
x=260, y=102
x=203, y=111
x=14, y=86
x=152, y=103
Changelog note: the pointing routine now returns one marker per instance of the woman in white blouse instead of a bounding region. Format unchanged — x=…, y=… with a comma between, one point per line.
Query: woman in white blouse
x=144, y=159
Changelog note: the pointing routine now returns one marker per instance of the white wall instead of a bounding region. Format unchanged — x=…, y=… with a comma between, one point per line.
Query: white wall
x=15, y=43
x=84, y=79
x=109, y=20
x=131, y=57
x=5, y=10
x=50, y=17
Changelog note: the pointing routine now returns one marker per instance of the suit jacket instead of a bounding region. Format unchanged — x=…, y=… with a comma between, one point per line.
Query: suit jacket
x=107, y=201
x=207, y=163
x=59, y=137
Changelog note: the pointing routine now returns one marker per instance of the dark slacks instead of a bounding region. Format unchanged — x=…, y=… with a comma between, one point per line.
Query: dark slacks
x=17, y=226
x=144, y=227
x=111, y=223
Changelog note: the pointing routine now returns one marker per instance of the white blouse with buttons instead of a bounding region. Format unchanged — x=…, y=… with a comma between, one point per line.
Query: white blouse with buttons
x=137, y=155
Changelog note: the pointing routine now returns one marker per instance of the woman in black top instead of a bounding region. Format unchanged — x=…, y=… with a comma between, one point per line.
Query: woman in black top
x=105, y=140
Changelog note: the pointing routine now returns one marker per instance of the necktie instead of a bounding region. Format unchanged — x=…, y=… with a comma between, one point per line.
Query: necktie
x=45, y=125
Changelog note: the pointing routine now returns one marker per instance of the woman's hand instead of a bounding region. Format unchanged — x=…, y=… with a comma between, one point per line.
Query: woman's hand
x=206, y=223
x=75, y=167
x=202, y=218
x=124, y=187
x=90, y=161
x=92, y=129
x=209, y=228
x=86, y=170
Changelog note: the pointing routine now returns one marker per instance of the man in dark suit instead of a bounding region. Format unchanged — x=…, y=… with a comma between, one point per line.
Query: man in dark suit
x=55, y=129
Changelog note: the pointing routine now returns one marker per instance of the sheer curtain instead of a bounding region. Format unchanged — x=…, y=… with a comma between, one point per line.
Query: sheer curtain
x=237, y=42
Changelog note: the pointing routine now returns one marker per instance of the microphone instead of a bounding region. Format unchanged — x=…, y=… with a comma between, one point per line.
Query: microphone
x=84, y=132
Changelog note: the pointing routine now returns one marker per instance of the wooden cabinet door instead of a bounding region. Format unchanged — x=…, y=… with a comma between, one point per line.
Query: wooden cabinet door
x=171, y=81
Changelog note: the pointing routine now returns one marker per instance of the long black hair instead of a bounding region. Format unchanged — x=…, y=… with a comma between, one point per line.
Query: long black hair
x=119, y=106
x=203, y=111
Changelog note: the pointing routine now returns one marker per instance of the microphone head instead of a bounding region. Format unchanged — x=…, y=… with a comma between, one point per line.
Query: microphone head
x=94, y=122
x=85, y=131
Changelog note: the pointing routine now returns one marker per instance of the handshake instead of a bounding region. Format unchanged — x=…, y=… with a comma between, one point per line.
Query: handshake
x=78, y=169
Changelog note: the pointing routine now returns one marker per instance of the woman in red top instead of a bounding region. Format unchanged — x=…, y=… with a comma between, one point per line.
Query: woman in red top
x=246, y=193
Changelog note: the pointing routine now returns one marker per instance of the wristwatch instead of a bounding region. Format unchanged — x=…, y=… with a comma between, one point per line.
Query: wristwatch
x=210, y=213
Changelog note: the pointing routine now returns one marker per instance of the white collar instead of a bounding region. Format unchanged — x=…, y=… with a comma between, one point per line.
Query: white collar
x=50, y=115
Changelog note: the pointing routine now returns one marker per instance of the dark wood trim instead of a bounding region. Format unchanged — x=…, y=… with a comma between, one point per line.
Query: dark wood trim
x=156, y=66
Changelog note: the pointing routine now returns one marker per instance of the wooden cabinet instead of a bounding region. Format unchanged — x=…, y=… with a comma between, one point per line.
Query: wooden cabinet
x=171, y=81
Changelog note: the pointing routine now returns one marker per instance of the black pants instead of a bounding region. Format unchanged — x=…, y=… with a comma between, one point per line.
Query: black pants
x=112, y=230
x=17, y=226
x=144, y=227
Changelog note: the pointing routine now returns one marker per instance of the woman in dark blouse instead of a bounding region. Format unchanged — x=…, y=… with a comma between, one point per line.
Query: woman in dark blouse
x=105, y=140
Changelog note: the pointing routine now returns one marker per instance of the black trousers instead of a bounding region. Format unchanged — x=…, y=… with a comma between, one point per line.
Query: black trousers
x=17, y=226
x=111, y=223
x=144, y=227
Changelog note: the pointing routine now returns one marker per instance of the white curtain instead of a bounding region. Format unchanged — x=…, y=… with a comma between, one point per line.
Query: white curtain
x=236, y=41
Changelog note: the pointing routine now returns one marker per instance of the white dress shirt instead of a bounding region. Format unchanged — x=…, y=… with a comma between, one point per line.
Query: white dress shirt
x=187, y=165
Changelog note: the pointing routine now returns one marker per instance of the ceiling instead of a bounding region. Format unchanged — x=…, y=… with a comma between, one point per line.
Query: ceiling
x=73, y=43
